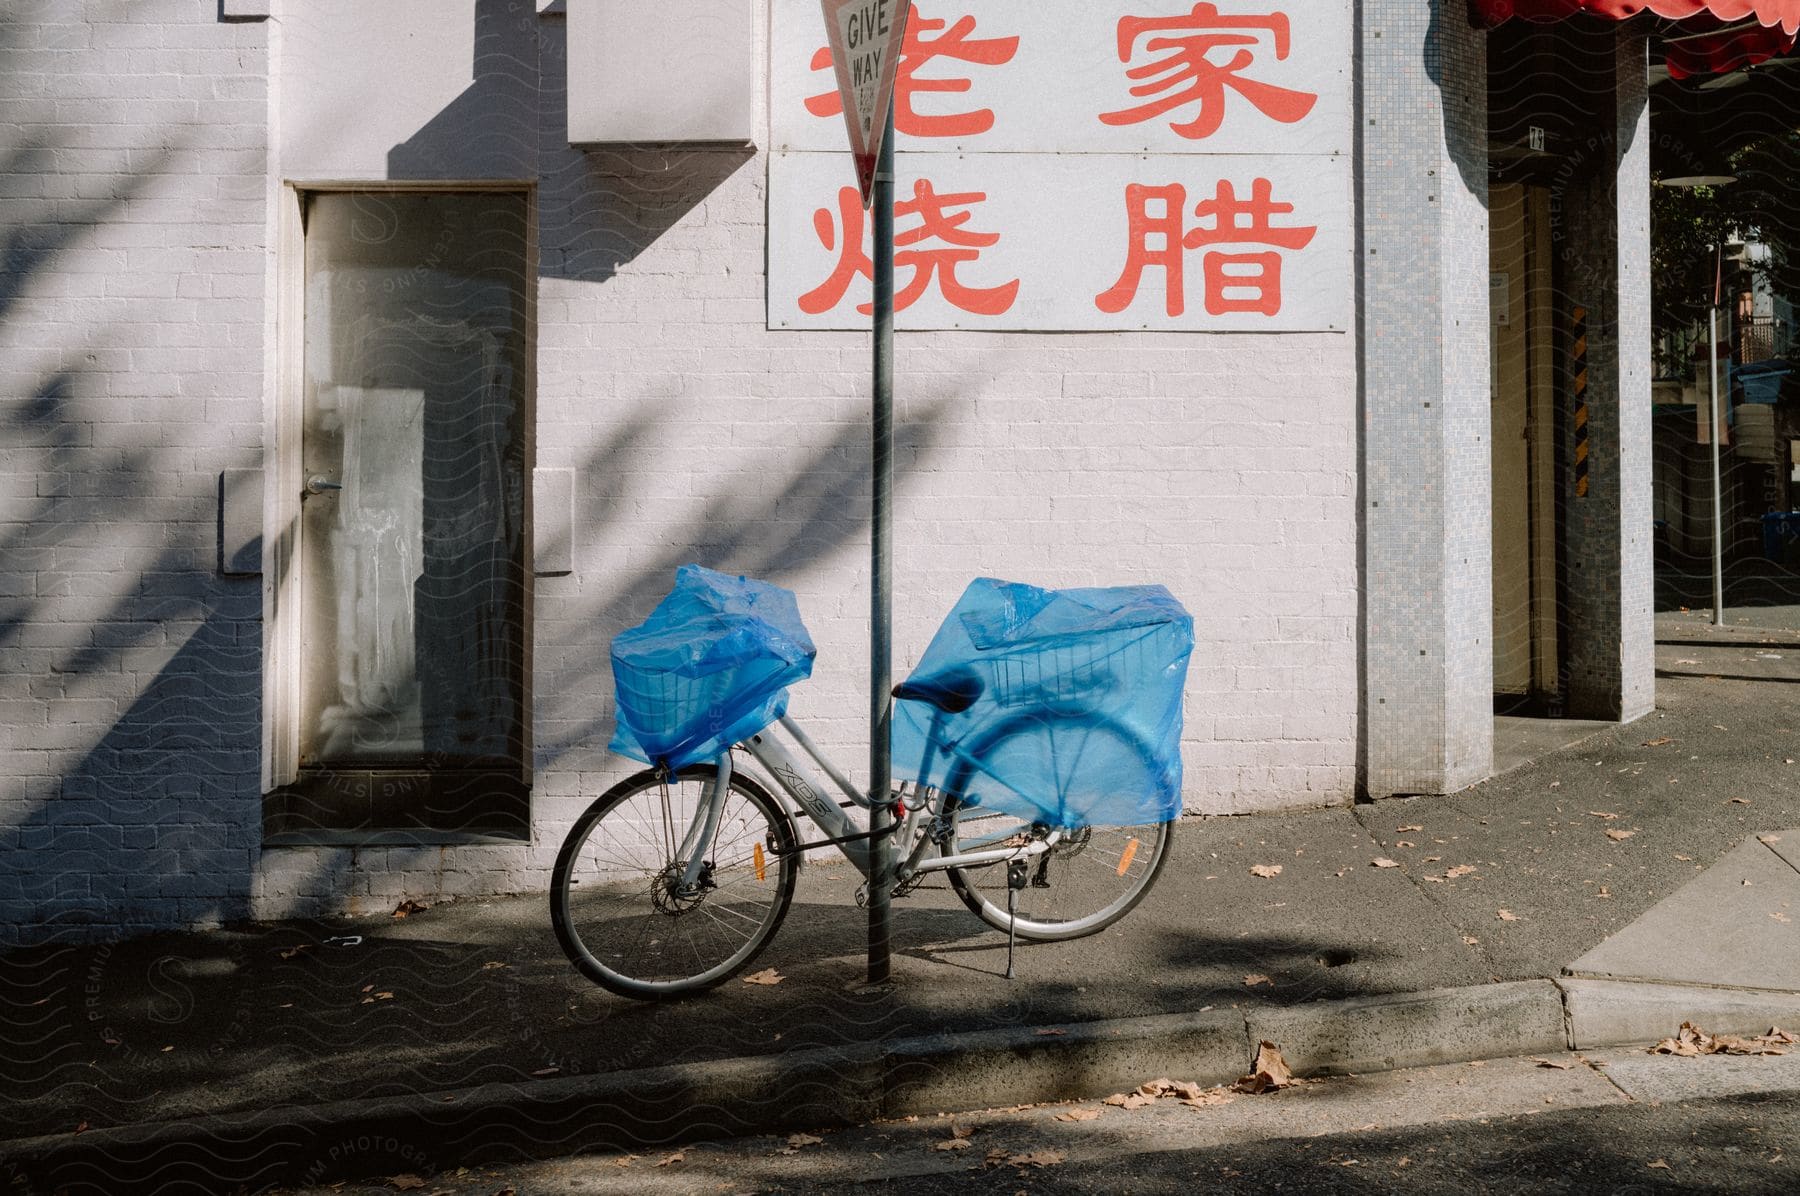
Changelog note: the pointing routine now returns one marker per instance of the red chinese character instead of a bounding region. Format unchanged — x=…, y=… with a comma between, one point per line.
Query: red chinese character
x=1160, y=239
x=1165, y=229
x=1187, y=76
x=1258, y=272
x=938, y=221
x=916, y=51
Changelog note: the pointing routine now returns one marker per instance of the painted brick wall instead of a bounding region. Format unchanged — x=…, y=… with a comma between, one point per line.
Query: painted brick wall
x=132, y=175
x=1223, y=466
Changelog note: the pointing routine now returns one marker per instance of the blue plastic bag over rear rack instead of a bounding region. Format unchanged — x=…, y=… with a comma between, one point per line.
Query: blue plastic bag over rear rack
x=710, y=666
x=1055, y=706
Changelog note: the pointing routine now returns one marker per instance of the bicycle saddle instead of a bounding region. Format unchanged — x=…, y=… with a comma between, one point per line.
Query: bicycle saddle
x=953, y=691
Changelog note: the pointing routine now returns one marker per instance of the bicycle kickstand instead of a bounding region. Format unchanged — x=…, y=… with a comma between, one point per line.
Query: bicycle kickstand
x=1015, y=880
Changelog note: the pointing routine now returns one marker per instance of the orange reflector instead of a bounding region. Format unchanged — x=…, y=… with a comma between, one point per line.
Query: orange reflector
x=759, y=860
x=1130, y=854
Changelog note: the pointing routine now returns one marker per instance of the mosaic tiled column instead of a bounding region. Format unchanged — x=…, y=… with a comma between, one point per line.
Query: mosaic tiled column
x=1600, y=228
x=1428, y=672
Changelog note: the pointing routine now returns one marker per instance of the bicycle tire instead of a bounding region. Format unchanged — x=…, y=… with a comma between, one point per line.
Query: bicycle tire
x=628, y=930
x=1070, y=893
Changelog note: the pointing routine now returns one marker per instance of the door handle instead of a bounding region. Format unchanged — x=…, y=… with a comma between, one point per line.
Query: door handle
x=318, y=483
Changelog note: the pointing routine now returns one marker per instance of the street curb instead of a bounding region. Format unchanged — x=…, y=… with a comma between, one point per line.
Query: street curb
x=652, y=1108
x=1615, y=1012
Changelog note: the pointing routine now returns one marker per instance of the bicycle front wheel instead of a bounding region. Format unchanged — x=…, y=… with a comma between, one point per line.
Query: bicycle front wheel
x=617, y=901
x=1092, y=877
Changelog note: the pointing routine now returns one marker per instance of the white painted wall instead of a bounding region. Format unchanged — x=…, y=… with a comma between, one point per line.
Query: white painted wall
x=1221, y=465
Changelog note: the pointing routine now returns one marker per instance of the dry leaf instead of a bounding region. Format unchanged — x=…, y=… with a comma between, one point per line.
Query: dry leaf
x=1471, y=940
x=406, y=1181
x=546, y=1071
x=1212, y=1096
x=1740, y=801
x=1506, y=915
x=1686, y=859
x=1256, y=978
x=1051, y=1032
x=1618, y=836
x=1459, y=870
x=1384, y=862
x=766, y=976
x=1265, y=870
x=1078, y=1115
x=1604, y=892
x=1404, y=843
x=1781, y=917
x=1128, y=1100
x=1036, y=1158
x=1691, y=1040
x=1552, y=1064
x=1404, y=829
x=1658, y=742
x=1768, y=838
x=796, y=1141
x=961, y=1131
x=1659, y=1165
x=952, y=1144
x=1606, y=814
x=1185, y=1089
x=1269, y=1072
x=491, y=964
x=625, y=1160
x=82, y=1126
x=293, y=951
x=668, y=1159
x=408, y=907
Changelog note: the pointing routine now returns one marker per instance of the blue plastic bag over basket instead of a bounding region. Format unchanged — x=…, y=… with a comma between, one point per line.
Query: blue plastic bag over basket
x=1054, y=706
x=710, y=666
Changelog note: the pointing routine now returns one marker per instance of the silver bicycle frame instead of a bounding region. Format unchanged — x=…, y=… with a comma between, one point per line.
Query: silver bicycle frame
x=798, y=782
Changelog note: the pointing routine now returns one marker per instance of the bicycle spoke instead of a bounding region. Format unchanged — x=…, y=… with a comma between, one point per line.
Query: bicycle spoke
x=633, y=924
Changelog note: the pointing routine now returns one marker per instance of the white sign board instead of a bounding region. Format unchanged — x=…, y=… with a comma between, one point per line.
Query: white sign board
x=1079, y=165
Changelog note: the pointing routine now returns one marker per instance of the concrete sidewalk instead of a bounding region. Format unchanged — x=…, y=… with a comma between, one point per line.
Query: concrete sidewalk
x=304, y=1051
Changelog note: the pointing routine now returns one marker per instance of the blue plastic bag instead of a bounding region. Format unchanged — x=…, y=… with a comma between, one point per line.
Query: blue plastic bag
x=1054, y=706
x=710, y=666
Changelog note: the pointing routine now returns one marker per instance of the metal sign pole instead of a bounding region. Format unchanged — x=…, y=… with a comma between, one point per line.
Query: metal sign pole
x=1718, y=540
x=881, y=542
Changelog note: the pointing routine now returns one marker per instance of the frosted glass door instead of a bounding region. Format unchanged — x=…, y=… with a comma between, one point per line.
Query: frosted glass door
x=412, y=536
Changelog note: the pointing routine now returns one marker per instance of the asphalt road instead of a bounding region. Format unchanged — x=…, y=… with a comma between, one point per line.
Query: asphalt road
x=1625, y=1122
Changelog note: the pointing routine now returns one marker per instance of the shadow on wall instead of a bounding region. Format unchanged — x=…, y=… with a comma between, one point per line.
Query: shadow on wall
x=134, y=738
x=142, y=666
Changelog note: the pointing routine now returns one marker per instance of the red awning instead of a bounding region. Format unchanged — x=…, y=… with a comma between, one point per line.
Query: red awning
x=1726, y=34
x=1785, y=13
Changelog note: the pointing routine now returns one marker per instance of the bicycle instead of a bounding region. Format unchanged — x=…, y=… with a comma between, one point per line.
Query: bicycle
x=673, y=880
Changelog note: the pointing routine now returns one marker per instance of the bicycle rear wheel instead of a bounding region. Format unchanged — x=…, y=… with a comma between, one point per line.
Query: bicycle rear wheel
x=617, y=904
x=1094, y=875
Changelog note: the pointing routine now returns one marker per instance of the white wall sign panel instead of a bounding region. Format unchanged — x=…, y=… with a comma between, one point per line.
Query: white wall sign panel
x=1098, y=76
x=1070, y=242
x=1071, y=165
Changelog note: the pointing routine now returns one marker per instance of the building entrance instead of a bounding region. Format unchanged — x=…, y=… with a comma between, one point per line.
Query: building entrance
x=1523, y=425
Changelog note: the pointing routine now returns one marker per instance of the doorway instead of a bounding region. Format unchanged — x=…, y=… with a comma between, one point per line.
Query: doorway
x=410, y=578
x=1523, y=435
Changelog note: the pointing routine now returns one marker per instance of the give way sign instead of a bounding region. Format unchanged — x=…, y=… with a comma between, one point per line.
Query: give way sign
x=865, y=38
